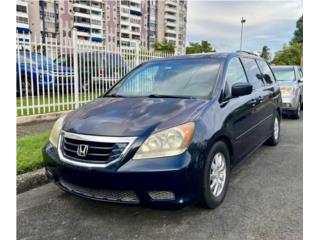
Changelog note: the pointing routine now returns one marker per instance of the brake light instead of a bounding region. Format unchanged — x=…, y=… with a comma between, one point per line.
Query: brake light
x=101, y=72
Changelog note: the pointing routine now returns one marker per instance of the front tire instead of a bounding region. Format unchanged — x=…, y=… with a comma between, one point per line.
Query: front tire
x=297, y=113
x=215, y=177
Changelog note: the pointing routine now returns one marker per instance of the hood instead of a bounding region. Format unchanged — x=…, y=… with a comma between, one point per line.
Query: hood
x=132, y=116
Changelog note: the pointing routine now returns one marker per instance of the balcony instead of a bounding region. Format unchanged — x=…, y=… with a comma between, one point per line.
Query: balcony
x=170, y=17
x=171, y=24
x=170, y=30
x=172, y=10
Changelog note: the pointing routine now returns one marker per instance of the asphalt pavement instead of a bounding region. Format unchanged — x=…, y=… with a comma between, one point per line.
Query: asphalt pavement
x=264, y=201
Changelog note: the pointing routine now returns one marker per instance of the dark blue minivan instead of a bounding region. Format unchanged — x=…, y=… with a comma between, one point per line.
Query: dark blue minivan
x=169, y=132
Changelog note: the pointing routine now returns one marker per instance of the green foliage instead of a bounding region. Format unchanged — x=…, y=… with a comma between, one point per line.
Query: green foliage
x=298, y=33
x=289, y=55
x=266, y=53
x=164, y=47
x=29, y=152
x=202, y=47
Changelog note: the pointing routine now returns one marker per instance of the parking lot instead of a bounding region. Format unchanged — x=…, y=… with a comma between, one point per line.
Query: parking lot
x=264, y=201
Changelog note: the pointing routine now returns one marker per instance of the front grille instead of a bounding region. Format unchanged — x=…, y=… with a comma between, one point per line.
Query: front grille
x=102, y=194
x=98, y=152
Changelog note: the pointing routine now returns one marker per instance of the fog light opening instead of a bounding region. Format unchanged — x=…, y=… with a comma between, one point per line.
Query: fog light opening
x=161, y=195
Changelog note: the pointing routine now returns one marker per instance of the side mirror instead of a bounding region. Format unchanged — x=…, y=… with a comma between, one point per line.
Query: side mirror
x=241, y=89
x=300, y=80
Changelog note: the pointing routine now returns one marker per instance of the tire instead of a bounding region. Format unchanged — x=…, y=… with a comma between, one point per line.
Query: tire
x=213, y=198
x=297, y=113
x=274, y=139
x=25, y=87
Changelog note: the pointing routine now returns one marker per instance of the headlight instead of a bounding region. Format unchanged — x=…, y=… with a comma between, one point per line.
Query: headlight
x=55, y=132
x=169, y=142
x=287, y=90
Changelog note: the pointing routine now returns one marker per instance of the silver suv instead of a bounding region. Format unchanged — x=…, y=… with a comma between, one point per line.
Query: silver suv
x=290, y=79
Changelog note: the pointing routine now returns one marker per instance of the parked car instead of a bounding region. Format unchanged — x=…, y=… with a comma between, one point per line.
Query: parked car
x=95, y=66
x=36, y=72
x=290, y=79
x=169, y=132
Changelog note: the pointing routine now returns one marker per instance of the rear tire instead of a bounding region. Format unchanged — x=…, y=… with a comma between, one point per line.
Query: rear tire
x=215, y=176
x=274, y=139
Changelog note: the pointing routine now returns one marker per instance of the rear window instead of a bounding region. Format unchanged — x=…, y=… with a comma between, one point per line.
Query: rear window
x=284, y=74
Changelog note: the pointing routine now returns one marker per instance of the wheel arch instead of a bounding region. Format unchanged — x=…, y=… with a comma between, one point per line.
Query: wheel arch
x=227, y=141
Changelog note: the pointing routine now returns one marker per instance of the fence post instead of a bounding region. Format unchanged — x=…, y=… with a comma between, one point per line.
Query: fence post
x=137, y=62
x=75, y=68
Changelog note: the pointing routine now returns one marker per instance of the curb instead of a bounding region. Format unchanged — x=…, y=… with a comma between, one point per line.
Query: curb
x=27, y=181
x=40, y=117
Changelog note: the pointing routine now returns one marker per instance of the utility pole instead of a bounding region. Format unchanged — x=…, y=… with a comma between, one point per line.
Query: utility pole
x=242, y=22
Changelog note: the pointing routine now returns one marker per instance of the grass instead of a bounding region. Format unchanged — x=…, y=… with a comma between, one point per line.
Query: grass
x=29, y=152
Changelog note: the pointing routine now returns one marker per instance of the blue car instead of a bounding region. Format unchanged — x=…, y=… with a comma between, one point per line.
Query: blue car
x=169, y=132
x=32, y=68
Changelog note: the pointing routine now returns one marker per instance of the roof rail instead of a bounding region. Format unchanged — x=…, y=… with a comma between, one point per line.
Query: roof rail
x=247, y=52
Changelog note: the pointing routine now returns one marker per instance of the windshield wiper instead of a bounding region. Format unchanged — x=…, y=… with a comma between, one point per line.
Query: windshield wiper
x=168, y=96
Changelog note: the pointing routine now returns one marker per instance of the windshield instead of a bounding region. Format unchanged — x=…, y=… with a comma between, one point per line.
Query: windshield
x=185, y=78
x=286, y=74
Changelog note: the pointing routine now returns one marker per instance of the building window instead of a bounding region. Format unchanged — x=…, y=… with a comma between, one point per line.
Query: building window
x=22, y=9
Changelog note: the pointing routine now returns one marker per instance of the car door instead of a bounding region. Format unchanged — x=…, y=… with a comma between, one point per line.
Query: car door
x=300, y=82
x=271, y=96
x=239, y=110
x=262, y=115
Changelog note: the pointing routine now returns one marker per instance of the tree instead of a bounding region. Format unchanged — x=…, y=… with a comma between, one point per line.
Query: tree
x=298, y=33
x=204, y=47
x=266, y=53
x=164, y=47
x=289, y=55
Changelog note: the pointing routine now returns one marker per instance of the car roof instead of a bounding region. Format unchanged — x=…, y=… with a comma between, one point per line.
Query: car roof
x=222, y=55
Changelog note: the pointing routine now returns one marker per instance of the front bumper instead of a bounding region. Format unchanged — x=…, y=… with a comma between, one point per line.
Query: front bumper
x=156, y=182
x=290, y=103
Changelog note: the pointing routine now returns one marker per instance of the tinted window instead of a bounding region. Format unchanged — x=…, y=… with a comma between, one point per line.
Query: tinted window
x=266, y=71
x=178, y=77
x=235, y=74
x=253, y=72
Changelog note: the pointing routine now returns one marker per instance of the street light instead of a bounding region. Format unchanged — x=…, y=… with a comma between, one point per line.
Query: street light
x=242, y=22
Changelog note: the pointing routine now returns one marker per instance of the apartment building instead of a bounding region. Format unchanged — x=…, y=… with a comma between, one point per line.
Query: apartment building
x=121, y=23
x=22, y=21
x=171, y=23
x=132, y=23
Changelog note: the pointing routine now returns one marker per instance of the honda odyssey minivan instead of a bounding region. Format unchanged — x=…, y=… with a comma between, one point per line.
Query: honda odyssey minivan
x=169, y=132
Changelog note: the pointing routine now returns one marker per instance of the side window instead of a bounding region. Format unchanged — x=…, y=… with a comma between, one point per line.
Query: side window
x=235, y=74
x=266, y=71
x=253, y=72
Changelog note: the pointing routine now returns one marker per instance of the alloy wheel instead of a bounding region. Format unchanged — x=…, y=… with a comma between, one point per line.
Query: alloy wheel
x=218, y=174
x=276, y=129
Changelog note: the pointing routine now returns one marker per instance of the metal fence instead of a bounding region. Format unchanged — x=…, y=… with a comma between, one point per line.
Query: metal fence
x=58, y=76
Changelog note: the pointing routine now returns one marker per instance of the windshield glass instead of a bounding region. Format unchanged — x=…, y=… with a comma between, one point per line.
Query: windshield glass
x=286, y=74
x=170, y=78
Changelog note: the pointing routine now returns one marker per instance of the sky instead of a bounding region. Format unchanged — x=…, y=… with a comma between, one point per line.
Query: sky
x=268, y=22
